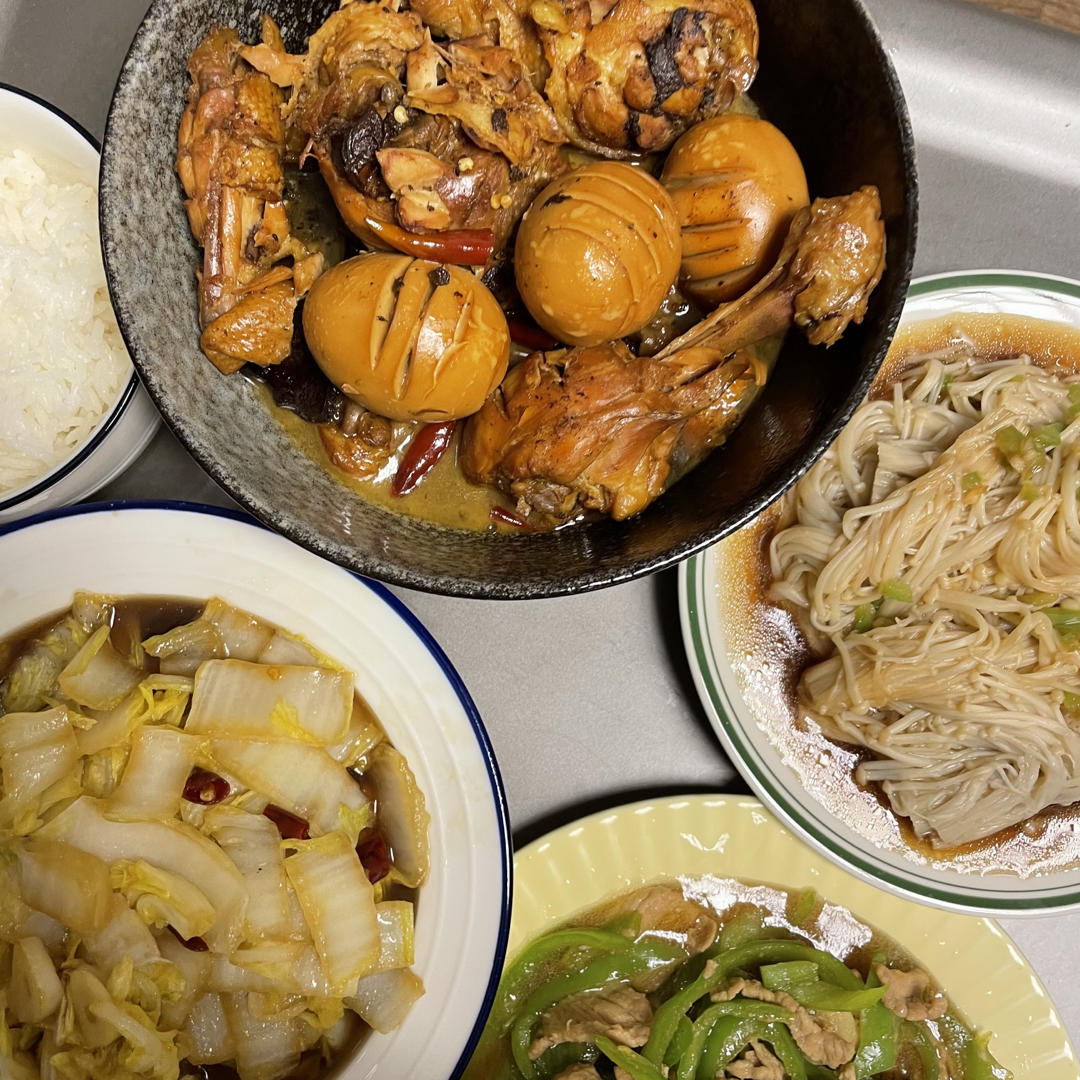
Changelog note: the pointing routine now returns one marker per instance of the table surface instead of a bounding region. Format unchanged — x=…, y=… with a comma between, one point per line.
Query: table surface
x=589, y=699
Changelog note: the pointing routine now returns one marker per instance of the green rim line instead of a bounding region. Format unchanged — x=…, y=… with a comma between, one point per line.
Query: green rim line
x=730, y=729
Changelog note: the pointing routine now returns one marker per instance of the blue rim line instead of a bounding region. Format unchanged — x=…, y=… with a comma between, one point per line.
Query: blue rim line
x=440, y=657
x=112, y=418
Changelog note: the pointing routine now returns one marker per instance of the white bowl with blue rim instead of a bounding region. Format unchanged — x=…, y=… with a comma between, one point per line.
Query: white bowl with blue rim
x=182, y=550
x=128, y=424
x=706, y=580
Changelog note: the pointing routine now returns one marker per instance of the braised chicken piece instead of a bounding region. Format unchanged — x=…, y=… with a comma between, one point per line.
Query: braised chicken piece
x=600, y=429
x=357, y=54
x=462, y=148
x=230, y=164
x=503, y=22
x=632, y=75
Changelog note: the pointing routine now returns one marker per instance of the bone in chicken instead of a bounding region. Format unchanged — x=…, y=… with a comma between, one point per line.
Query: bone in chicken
x=600, y=429
x=230, y=164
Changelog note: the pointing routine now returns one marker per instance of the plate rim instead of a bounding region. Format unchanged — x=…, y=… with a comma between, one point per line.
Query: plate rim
x=967, y=893
x=585, y=831
x=425, y=638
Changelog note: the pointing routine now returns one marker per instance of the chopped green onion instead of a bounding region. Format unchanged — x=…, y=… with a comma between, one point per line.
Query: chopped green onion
x=971, y=480
x=1074, y=393
x=895, y=589
x=864, y=618
x=1063, y=618
x=1009, y=440
x=1070, y=702
x=1037, y=599
x=1046, y=436
x=1030, y=492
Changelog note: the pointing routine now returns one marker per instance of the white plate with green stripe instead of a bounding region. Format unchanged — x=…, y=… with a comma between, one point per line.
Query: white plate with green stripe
x=733, y=657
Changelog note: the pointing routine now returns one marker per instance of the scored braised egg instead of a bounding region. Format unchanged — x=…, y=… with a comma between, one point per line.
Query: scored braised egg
x=407, y=338
x=736, y=183
x=597, y=252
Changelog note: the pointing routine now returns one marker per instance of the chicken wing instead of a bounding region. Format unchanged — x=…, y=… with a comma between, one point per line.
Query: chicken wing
x=230, y=165
x=600, y=429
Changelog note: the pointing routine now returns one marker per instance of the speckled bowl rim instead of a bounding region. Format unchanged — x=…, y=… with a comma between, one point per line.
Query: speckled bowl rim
x=115, y=413
x=590, y=577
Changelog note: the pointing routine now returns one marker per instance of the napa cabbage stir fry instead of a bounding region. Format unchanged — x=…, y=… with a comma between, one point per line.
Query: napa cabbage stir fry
x=209, y=850
x=667, y=985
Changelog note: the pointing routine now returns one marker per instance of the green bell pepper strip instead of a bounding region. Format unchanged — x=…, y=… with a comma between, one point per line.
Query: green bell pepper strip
x=680, y=1041
x=917, y=1035
x=787, y=1050
x=628, y=924
x=878, y=1043
x=516, y=978
x=756, y=1013
x=827, y=997
x=819, y=1072
x=641, y=956
x=725, y=1043
x=792, y=973
x=632, y=1062
x=972, y=1050
x=741, y=958
x=556, y=1059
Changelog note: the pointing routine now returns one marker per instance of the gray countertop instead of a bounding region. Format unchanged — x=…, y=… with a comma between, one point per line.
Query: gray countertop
x=588, y=699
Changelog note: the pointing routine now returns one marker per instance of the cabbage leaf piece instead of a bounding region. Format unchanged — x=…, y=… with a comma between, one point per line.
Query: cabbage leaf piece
x=384, y=999
x=170, y=845
x=31, y=679
x=288, y=703
x=113, y=1038
x=402, y=814
x=98, y=676
x=124, y=935
x=338, y=903
x=265, y=1049
x=254, y=845
x=205, y=1038
x=37, y=750
x=157, y=769
x=302, y=779
x=65, y=882
x=396, y=935
x=161, y=898
x=34, y=990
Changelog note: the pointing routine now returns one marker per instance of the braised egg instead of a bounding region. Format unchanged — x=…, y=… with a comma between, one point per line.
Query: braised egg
x=407, y=338
x=736, y=183
x=597, y=252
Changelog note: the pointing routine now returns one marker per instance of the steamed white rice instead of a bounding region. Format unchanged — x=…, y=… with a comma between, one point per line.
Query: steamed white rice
x=62, y=360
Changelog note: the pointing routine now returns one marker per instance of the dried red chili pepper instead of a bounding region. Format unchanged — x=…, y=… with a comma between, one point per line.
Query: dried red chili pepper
x=427, y=446
x=195, y=944
x=205, y=788
x=531, y=337
x=502, y=516
x=469, y=247
x=375, y=857
x=288, y=825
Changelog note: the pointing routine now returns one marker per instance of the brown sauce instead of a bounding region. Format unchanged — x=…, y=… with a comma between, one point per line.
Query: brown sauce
x=768, y=652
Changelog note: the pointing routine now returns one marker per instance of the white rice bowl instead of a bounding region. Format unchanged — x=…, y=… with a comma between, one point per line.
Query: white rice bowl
x=64, y=362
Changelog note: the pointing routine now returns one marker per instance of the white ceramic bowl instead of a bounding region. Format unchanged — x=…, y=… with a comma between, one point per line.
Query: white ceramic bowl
x=126, y=428
x=709, y=587
x=191, y=551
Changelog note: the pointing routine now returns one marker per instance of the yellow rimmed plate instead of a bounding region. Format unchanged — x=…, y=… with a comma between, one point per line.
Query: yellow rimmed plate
x=591, y=860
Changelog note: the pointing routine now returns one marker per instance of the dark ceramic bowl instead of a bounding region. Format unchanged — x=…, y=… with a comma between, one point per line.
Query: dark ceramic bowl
x=825, y=80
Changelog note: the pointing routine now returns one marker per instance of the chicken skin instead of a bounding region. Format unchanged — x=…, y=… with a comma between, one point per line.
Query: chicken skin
x=600, y=429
